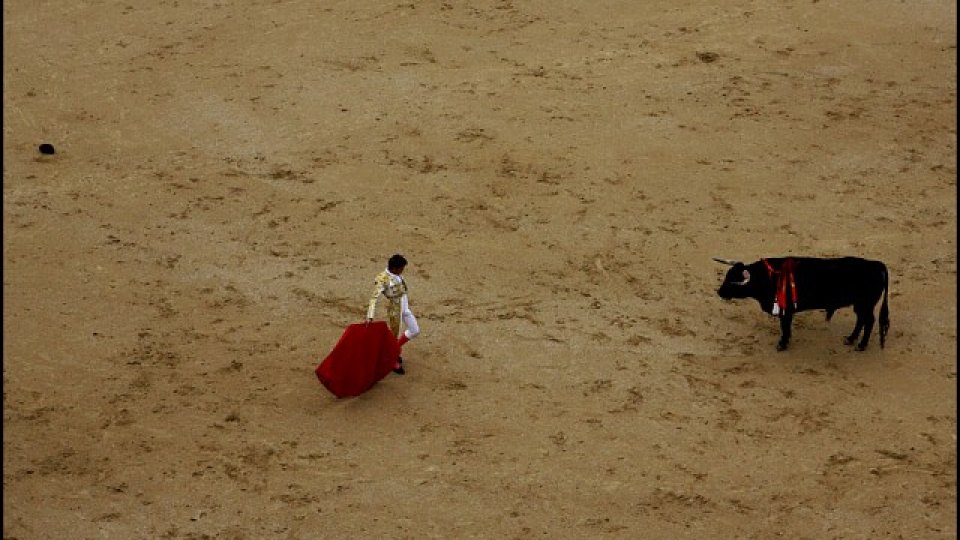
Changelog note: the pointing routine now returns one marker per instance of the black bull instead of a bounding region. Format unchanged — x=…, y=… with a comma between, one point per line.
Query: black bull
x=827, y=284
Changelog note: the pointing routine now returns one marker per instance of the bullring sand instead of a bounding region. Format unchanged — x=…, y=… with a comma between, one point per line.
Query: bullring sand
x=230, y=176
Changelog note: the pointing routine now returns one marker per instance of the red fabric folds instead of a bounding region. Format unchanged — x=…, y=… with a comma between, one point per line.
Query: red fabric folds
x=363, y=355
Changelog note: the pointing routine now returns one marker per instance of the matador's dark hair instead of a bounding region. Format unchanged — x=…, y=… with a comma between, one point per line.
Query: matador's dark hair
x=397, y=261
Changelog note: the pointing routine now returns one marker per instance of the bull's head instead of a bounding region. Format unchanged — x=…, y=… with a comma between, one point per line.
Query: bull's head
x=736, y=284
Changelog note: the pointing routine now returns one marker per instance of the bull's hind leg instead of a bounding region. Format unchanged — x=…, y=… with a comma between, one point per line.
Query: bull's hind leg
x=867, y=330
x=865, y=321
x=852, y=338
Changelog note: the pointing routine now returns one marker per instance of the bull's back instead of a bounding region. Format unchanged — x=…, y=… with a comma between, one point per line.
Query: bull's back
x=838, y=282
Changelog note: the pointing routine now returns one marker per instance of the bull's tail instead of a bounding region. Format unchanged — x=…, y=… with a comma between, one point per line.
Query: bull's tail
x=884, y=310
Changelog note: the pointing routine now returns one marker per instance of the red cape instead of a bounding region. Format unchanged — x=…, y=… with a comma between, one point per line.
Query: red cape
x=363, y=355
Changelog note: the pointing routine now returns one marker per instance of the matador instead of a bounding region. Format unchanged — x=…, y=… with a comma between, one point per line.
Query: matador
x=391, y=285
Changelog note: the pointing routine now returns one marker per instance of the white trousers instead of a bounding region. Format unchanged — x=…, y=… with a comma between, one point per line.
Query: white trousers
x=412, y=328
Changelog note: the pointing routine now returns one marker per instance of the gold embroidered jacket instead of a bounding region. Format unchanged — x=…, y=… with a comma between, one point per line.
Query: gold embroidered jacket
x=393, y=287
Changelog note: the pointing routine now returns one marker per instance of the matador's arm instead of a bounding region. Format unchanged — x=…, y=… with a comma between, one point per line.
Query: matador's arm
x=372, y=305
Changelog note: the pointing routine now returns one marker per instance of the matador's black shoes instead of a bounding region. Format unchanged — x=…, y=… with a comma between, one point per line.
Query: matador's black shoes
x=399, y=369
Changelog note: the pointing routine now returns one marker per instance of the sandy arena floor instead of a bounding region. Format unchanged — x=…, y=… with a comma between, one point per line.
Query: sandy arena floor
x=230, y=176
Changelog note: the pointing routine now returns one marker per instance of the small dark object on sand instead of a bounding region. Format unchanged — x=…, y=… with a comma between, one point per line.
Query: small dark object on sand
x=708, y=57
x=46, y=148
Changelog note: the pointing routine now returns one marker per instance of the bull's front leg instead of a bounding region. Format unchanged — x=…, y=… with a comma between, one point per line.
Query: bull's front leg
x=786, y=322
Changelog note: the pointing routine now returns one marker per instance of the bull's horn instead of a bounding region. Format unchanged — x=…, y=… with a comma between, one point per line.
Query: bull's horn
x=725, y=261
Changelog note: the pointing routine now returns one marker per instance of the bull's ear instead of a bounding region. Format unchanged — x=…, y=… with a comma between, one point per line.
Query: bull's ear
x=746, y=278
